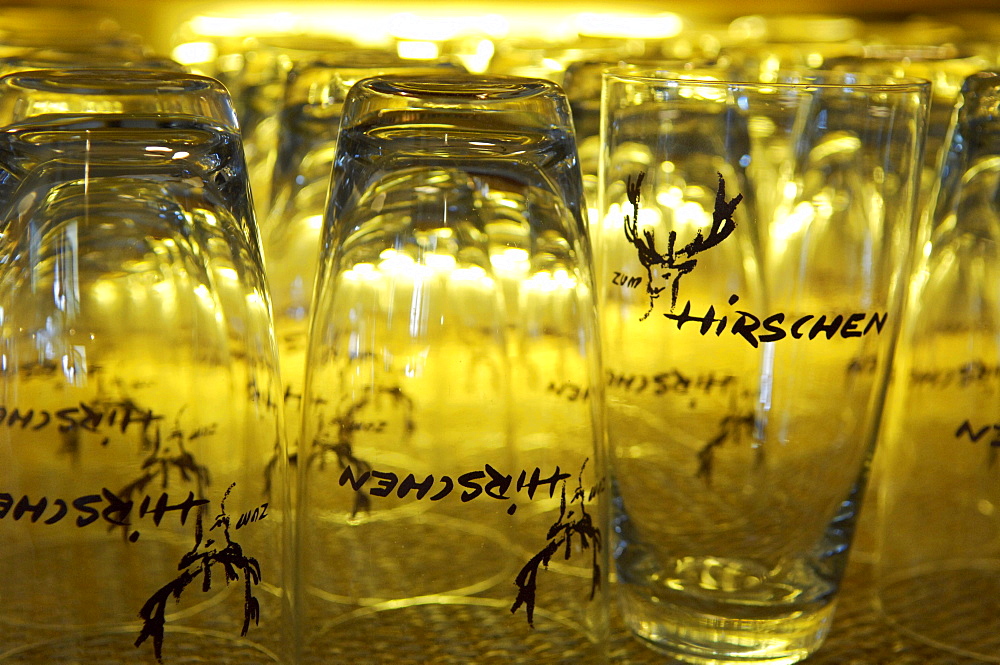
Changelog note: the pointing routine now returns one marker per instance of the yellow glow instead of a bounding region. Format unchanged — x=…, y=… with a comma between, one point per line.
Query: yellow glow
x=255, y=301
x=614, y=219
x=556, y=280
x=400, y=265
x=694, y=91
x=691, y=214
x=472, y=276
x=648, y=217
x=629, y=25
x=551, y=64
x=468, y=274
x=511, y=261
x=792, y=224
x=671, y=197
x=480, y=60
x=43, y=106
x=313, y=222
x=407, y=25
x=166, y=296
x=417, y=50
x=193, y=53
x=104, y=293
x=241, y=25
x=440, y=262
x=361, y=272
x=760, y=126
x=842, y=144
x=204, y=295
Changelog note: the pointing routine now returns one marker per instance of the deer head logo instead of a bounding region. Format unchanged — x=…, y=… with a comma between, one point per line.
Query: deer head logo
x=675, y=263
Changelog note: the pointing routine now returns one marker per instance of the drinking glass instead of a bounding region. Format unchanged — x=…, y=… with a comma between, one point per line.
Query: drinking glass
x=946, y=67
x=259, y=92
x=142, y=493
x=451, y=469
x=582, y=84
x=69, y=58
x=27, y=27
x=753, y=249
x=937, y=562
x=308, y=126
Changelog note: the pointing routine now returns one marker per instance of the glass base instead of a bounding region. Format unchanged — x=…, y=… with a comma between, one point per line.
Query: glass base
x=949, y=605
x=762, y=634
x=117, y=647
x=450, y=631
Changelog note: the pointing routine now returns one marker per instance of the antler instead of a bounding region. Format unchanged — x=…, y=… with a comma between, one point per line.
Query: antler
x=648, y=256
x=723, y=224
x=681, y=261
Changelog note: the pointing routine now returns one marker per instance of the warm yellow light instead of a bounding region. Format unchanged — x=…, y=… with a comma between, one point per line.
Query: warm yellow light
x=361, y=272
x=556, y=280
x=472, y=276
x=417, y=50
x=511, y=260
x=313, y=222
x=845, y=144
x=629, y=25
x=439, y=262
x=443, y=27
x=468, y=274
x=193, y=53
x=239, y=25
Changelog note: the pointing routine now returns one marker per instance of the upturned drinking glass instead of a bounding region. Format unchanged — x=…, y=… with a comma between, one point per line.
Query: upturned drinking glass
x=30, y=26
x=142, y=492
x=582, y=82
x=259, y=92
x=754, y=247
x=937, y=563
x=451, y=467
x=68, y=58
x=946, y=67
x=308, y=127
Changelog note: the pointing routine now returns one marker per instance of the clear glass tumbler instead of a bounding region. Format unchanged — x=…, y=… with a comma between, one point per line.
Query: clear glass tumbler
x=451, y=468
x=142, y=494
x=937, y=560
x=308, y=126
x=754, y=248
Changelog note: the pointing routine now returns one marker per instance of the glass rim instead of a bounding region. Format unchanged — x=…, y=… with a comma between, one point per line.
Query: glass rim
x=459, y=87
x=29, y=96
x=109, y=80
x=792, y=79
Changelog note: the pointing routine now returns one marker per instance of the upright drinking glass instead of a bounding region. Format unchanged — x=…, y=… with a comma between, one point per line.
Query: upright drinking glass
x=938, y=547
x=754, y=247
x=141, y=493
x=451, y=487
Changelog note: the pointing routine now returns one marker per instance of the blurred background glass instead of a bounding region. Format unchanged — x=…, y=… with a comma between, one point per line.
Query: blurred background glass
x=937, y=546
